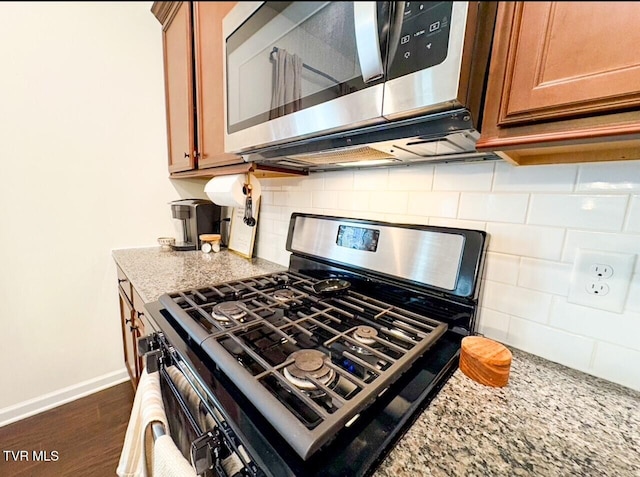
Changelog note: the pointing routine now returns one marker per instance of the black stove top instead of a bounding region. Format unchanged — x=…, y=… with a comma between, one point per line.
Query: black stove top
x=320, y=369
x=311, y=362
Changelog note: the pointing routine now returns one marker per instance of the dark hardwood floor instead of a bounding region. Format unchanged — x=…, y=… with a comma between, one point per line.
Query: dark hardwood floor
x=81, y=438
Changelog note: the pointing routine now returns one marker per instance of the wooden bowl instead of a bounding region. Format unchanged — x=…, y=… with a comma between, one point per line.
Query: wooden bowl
x=485, y=361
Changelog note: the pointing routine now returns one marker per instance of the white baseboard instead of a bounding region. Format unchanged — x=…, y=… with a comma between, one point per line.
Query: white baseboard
x=48, y=401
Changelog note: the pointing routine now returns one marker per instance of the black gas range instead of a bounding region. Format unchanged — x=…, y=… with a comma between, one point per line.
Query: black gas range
x=319, y=369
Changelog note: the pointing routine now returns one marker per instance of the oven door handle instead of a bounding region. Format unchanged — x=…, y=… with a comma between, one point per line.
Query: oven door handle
x=365, y=19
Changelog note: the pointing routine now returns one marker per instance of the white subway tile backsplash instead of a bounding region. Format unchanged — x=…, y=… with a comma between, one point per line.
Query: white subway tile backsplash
x=271, y=246
x=558, y=346
x=300, y=198
x=266, y=197
x=311, y=182
x=388, y=202
x=633, y=218
x=633, y=296
x=526, y=240
x=277, y=240
x=337, y=212
x=457, y=223
x=618, y=328
x=282, y=258
x=597, y=212
x=607, y=242
x=268, y=211
x=510, y=178
x=438, y=204
x=266, y=225
x=493, y=324
x=369, y=215
x=463, y=176
x=354, y=200
x=265, y=249
x=617, y=364
x=515, y=301
x=324, y=199
x=281, y=227
x=545, y=276
x=418, y=177
x=280, y=197
x=271, y=184
x=286, y=212
x=501, y=268
x=340, y=180
x=493, y=207
x=277, y=256
x=372, y=179
x=405, y=219
x=619, y=176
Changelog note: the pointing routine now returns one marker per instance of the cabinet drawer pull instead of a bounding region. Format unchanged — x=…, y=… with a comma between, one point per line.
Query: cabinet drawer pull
x=186, y=155
x=120, y=280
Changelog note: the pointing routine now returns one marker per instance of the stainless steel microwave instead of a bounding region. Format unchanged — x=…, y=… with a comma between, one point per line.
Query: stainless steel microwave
x=317, y=85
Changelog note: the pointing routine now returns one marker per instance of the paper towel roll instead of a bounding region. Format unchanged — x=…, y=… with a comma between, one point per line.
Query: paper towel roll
x=228, y=190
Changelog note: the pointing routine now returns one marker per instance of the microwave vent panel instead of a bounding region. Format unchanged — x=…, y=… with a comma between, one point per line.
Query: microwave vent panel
x=452, y=144
x=342, y=156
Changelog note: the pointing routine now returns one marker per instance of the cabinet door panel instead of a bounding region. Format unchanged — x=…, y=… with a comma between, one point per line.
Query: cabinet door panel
x=209, y=83
x=126, y=321
x=571, y=60
x=137, y=331
x=140, y=327
x=179, y=97
x=124, y=284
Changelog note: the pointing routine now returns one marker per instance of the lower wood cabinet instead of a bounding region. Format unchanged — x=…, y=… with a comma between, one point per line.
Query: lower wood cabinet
x=134, y=325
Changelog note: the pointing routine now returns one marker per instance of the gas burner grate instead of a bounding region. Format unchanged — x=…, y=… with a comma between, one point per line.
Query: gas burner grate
x=257, y=329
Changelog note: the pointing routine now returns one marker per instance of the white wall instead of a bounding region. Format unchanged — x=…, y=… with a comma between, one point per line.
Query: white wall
x=82, y=171
x=536, y=217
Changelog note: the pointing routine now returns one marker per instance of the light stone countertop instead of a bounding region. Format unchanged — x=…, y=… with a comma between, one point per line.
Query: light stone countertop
x=154, y=271
x=549, y=420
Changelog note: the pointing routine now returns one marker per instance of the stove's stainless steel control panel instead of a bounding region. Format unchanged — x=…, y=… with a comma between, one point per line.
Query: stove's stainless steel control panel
x=404, y=252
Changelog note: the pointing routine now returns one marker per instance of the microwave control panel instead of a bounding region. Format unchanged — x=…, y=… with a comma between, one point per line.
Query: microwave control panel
x=424, y=37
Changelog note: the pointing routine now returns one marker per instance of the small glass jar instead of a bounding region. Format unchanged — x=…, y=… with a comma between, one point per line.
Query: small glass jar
x=210, y=243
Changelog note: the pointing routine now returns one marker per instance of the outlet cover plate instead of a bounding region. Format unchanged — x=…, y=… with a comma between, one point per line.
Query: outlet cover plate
x=582, y=277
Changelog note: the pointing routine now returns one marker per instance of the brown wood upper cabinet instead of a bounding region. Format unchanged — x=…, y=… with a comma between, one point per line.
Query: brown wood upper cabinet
x=564, y=83
x=192, y=45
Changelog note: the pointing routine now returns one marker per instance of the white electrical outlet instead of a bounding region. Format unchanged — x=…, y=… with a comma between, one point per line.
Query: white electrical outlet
x=601, y=279
x=600, y=270
x=597, y=288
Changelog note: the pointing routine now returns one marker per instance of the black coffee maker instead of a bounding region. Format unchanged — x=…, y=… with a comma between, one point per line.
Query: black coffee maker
x=198, y=216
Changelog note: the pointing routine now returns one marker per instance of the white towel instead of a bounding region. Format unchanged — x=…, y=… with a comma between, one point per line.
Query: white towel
x=205, y=421
x=168, y=461
x=147, y=407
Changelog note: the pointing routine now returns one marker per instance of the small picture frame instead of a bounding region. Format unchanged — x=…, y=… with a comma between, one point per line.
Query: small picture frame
x=241, y=236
